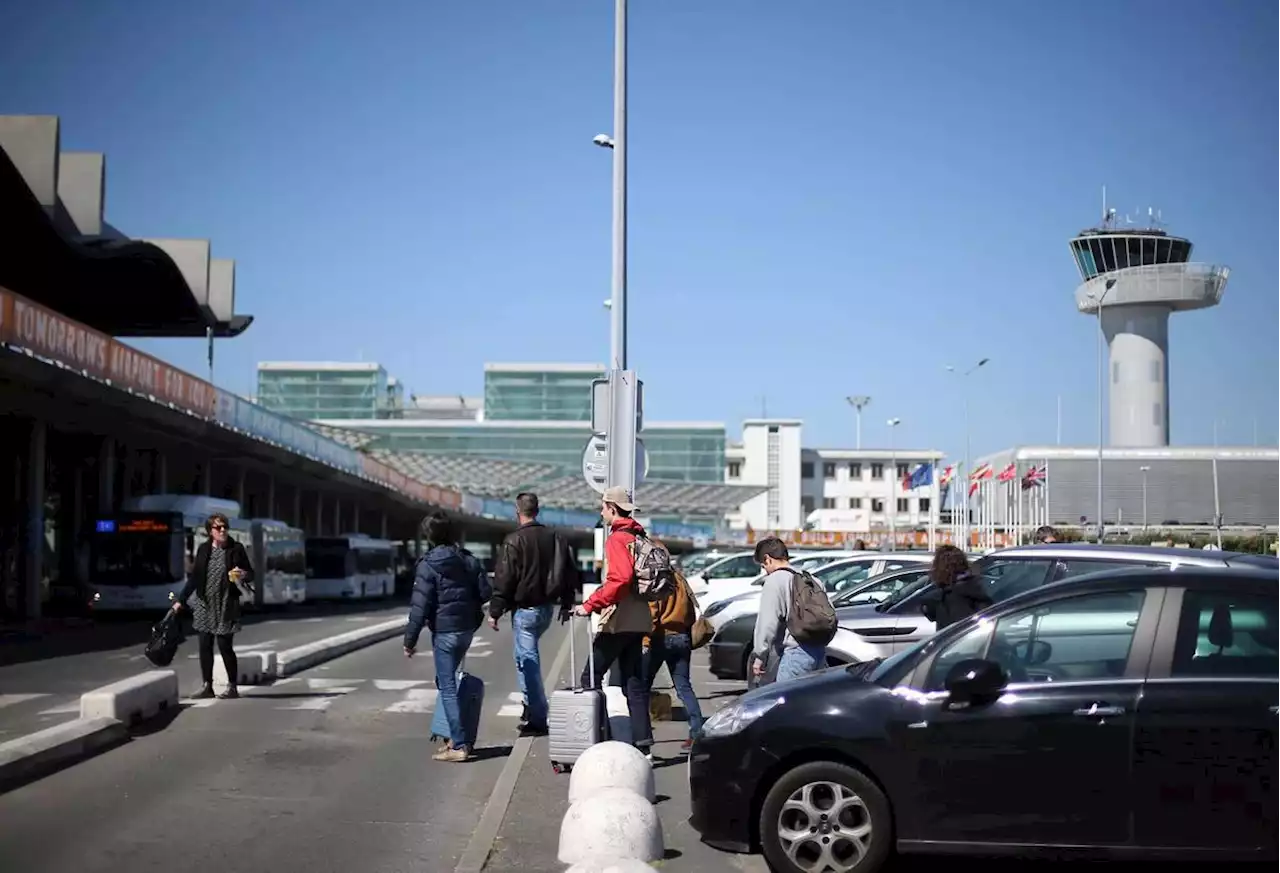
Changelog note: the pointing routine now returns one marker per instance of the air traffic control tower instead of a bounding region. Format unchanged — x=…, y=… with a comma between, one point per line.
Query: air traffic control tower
x=1138, y=278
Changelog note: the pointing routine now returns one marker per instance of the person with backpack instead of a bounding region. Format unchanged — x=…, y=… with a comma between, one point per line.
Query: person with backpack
x=632, y=577
x=533, y=574
x=796, y=620
x=671, y=643
x=449, y=590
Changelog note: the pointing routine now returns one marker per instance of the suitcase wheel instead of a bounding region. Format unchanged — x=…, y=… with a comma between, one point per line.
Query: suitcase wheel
x=557, y=767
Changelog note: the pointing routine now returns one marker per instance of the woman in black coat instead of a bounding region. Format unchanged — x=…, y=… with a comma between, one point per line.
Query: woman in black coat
x=220, y=567
x=957, y=593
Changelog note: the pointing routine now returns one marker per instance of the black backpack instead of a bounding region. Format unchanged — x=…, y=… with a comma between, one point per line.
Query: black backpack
x=811, y=618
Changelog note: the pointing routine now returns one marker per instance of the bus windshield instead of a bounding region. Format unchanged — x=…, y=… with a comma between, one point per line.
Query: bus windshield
x=133, y=559
x=328, y=560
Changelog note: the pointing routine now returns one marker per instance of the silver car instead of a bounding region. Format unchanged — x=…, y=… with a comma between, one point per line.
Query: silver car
x=870, y=631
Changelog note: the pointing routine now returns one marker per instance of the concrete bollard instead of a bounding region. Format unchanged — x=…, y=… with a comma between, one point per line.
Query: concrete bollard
x=614, y=823
x=609, y=765
x=612, y=865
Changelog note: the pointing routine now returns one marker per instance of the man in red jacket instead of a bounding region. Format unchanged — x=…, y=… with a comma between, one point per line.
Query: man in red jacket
x=624, y=616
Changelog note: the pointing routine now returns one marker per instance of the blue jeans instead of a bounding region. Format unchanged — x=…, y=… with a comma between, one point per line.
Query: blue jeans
x=800, y=661
x=449, y=649
x=675, y=650
x=529, y=625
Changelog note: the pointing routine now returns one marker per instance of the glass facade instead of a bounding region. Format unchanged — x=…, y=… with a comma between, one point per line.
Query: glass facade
x=685, y=454
x=318, y=392
x=522, y=393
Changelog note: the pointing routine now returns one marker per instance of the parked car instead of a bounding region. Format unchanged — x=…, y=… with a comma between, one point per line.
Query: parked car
x=735, y=619
x=811, y=562
x=1123, y=714
x=880, y=630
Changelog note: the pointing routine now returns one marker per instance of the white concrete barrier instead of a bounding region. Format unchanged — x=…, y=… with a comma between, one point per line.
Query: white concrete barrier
x=31, y=755
x=614, y=823
x=134, y=699
x=254, y=669
x=295, y=660
x=612, y=865
x=611, y=765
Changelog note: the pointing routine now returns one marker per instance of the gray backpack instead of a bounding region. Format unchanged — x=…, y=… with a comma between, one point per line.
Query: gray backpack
x=655, y=577
x=812, y=618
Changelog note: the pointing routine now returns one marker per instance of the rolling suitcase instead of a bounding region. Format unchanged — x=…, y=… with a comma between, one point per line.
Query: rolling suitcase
x=470, y=702
x=576, y=716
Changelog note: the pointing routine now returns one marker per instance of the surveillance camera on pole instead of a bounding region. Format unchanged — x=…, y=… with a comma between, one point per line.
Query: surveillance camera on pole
x=602, y=140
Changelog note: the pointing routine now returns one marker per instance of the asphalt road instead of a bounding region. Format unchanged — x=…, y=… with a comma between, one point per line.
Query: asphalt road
x=41, y=693
x=328, y=770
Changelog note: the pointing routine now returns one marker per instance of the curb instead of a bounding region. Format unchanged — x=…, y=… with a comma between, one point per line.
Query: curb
x=38, y=754
x=105, y=710
x=303, y=657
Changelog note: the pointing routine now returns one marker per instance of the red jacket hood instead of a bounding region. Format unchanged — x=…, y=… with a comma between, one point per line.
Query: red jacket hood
x=626, y=525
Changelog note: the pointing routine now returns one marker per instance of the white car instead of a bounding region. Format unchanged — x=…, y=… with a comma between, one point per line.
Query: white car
x=835, y=576
x=723, y=589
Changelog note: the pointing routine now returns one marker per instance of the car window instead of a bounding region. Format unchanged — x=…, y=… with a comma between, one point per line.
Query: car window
x=1080, y=567
x=1226, y=634
x=878, y=592
x=1074, y=639
x=846, y=575
x=733, y=568
x=1006, y=577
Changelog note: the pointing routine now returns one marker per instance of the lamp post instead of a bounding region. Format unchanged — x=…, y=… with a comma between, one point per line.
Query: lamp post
x=964, y=391
x=858, y=402
x=1145, y=470
x=893, y=486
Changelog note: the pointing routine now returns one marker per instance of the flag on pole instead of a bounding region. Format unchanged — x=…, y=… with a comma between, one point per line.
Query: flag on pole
x=1033, y=477
x=1008, y=473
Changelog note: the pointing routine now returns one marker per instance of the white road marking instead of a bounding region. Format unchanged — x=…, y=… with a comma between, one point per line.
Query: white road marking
x=415, y=700
x=310, y=620
x=511, y=710
x=12, y=699
x=515, y=697
x=65, y=709
x=480, y=644
x=332, y=684
x=253, y=646
x=397, y=684
x=315, y=703
x=198, y=704
x=484, y=654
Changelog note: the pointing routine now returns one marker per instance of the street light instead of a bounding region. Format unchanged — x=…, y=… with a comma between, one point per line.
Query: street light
x=965, y=393
x=893, y=486
x=858, y=402
x=1100, y=298
x=1145, y=470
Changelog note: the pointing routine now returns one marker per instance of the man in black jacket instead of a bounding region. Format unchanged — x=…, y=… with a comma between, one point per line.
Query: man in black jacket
x=534, y=572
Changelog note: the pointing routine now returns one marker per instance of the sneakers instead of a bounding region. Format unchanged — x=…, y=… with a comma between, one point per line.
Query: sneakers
x=687, y=745
x=205, y=693
x=533, y=730
x=231, y=693
x=449, y=754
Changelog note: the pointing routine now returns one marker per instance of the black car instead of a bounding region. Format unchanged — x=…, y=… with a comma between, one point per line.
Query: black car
x=1126, y=714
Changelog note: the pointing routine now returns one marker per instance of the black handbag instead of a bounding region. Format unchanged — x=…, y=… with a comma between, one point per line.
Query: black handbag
x=166, y=636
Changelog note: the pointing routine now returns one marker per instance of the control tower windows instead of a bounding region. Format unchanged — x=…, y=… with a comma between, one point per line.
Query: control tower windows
x=1104, y=253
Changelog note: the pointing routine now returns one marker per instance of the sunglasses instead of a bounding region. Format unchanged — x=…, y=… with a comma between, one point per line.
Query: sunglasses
x=218, y=527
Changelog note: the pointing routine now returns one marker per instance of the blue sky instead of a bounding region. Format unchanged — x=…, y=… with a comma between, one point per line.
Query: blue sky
x=827, y=198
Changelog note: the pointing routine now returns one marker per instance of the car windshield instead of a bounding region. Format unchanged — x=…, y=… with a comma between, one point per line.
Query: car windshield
x=903, y=593
x=693, y=563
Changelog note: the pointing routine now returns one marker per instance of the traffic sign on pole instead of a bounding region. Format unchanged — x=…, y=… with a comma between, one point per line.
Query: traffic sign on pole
x=595, y=462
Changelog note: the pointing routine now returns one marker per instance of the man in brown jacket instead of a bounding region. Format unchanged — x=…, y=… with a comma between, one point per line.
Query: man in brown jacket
x=670, y=643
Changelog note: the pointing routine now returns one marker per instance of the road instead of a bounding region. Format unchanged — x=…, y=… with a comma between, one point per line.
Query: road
x=328, y=770
x=38, y=694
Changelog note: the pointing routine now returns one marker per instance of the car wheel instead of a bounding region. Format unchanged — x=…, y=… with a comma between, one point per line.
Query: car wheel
x=825, y=816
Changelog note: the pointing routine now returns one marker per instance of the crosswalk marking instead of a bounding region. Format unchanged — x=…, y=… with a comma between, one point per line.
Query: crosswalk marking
x=397, y=684
x=314, y=703
x=252, y=647
x=330, y=684
x=65, y=709
x=12, y=699
x=415, y=700
x=510, y=710
x=198, y=704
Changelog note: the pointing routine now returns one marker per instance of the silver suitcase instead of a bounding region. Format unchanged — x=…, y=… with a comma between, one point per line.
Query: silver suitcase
x=576, y=716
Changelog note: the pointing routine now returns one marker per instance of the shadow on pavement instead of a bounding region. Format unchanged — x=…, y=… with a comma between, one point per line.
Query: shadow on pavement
x=488, y=753
x=157, y=723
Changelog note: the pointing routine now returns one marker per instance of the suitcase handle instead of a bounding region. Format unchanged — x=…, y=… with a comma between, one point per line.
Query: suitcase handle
x=573, y=662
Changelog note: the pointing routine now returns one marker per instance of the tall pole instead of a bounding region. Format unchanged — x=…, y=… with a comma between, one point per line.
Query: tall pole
x=964, y=390
x=858, y=402
x=618, y=306
x=1144, y=468
x=893, y=485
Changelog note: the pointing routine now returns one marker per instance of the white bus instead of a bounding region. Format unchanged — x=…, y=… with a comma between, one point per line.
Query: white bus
x=278, y=554
x=139, y=556
x=350, y=567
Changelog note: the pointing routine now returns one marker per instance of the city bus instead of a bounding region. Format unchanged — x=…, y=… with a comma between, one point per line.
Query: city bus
x=139, y=556
x=350, y=567
x=278, y=554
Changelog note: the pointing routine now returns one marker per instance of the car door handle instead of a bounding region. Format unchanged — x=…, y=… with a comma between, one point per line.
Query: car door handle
x=883, y=631
x=1274, y=709
x=1099, y=711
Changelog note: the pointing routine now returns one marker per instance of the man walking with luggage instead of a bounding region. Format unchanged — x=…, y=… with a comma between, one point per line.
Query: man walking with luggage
x=625, y=619
x=795, y=619
x=533, y=574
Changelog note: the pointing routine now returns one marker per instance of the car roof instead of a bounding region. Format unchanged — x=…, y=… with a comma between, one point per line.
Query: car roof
x=1123, y=577
x=1104, y=552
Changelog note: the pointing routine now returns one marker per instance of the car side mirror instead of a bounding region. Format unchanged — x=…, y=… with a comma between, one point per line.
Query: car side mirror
x=975, y=679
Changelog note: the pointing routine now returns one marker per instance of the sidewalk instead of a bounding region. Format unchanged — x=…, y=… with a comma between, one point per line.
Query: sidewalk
x=528, y=840
x=39, y=694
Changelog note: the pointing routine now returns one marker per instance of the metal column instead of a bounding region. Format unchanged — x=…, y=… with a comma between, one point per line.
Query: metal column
x=161, y=472
x=33, y=538
x=271, y=496
x=107, y=477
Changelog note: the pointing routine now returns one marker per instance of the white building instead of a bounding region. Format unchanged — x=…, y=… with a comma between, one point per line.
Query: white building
x=837, y=490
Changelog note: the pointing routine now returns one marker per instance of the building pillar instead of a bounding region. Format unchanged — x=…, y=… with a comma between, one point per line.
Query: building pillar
x=33, y=539
x=130, y=467
x=240, y=492
x=297, y=507
x=382, y=526
x=162, y=472
x=319, y=513
x=337, y=516
x=355, y=517
x=271, y=496
x=206, y=478
x=107, y=477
